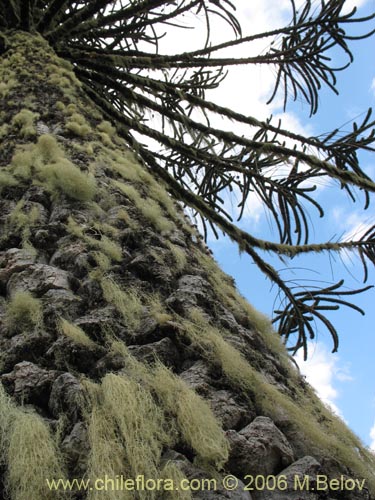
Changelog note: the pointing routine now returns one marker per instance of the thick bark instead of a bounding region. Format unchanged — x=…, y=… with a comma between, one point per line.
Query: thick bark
x=124, y=349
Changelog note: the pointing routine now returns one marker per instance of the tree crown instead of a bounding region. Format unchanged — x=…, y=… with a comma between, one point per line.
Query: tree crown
x=114, y=49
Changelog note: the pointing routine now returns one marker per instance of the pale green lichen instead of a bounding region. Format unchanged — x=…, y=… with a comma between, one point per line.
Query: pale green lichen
x=8, y=84
x=75, y=333
x=4, y=130
x=105, y=245
x=149, y=208
x=48, y=148
x=157, y=310
x=22, y=221
x=107, y=128
x=61, y=74
x=22, y=163
x=61, y=81
x=171, y=472
x=24, y=121
x=32, y=457
x=6, y=419
x=317, y=428
x=195, y=420
x=23, y=312
x=28, y=454
x=77, y=125
x=128, y=170
x=216, y=349
x=60, y=106
x=107, y=133
x=179, y=256
x=106, y=140
x=188, y=414
x=127, y=432
x=7, y=180
x=64, y=176
x=128, y=303
x=47, y=163
x=103, y=261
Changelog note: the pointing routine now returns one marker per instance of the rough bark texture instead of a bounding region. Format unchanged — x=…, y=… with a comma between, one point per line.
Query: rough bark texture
x=124, y=349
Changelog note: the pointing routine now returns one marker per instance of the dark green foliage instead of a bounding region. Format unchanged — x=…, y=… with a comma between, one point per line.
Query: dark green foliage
x=107, y=43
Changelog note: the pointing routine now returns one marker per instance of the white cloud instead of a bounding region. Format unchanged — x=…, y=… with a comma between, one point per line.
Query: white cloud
x=357, y=225
x=246, y=89
x=350, y=4
x=372, y=436
x=349, y=226
x=323, y=370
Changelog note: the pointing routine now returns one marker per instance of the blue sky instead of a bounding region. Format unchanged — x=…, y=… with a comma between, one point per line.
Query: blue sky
x=345, y=379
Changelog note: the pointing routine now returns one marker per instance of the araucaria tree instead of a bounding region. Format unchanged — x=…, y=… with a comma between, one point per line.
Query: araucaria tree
x=125, y=352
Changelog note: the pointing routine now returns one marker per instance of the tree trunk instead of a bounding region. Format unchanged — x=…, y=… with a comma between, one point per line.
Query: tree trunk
x=126, y=353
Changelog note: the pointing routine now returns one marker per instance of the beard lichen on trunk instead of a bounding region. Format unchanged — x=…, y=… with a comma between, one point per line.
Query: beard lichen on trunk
x=125, y=350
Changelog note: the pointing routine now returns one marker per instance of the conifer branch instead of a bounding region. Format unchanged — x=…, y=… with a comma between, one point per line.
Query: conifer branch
x=54, y=10
x=11, y=13
x=80, y=16
x=25, y=15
